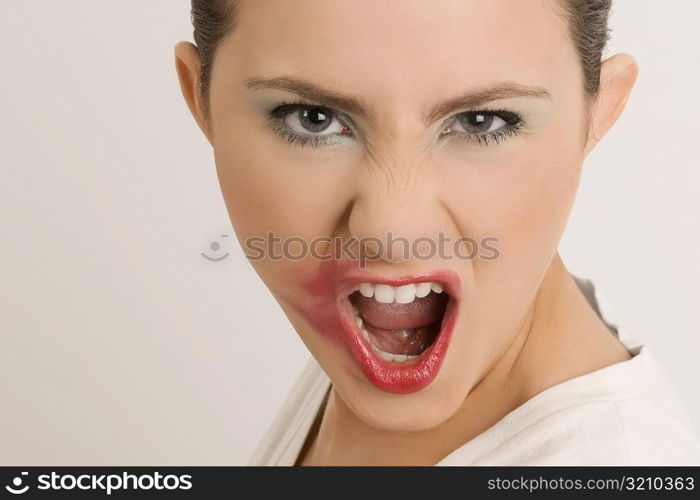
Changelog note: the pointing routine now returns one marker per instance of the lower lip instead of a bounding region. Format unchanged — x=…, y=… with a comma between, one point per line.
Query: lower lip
x=395, y=377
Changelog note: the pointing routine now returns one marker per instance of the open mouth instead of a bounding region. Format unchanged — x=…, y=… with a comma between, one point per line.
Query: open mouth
x=398, y=330
x=399, y=323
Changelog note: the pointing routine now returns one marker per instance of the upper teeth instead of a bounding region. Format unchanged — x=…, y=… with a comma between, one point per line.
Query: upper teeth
x=403, y=294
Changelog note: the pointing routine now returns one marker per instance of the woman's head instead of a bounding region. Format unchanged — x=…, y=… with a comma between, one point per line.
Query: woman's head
x=413, y=124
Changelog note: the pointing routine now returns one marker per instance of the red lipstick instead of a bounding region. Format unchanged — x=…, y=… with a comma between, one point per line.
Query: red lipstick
x=330, y=312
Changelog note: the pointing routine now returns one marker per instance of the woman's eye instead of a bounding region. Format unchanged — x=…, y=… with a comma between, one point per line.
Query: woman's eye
x=485, y=126
x=308, y=124
x=316, y=125
x=303, y=123
x=478, y=123
x=313, y=119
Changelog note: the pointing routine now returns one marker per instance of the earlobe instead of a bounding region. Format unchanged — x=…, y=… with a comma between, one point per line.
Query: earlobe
x=187, y=64
x=617, y=77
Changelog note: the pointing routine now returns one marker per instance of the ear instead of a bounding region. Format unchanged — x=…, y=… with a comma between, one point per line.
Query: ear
x=617, y=76
x=187, y=64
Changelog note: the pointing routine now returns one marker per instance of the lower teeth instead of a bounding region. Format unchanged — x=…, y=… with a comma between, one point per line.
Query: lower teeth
x=387, y=356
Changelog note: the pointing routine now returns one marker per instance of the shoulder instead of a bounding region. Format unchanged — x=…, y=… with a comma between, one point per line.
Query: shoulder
x=624, y=414
x=585, y=434
x=638, y=431
x=285, y=435
x=656, y=427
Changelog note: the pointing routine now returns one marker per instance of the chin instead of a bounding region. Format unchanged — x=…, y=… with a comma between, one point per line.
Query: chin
x=414, y=412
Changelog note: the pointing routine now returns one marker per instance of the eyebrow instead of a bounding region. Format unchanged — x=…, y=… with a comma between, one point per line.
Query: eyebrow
x=356, y=105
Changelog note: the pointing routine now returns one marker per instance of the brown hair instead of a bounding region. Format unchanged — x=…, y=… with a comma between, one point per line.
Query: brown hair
x=212, y=21
x=588, y=26
x=587, y=20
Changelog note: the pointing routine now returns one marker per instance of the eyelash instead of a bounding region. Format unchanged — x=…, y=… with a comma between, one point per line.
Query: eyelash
x=514, y=123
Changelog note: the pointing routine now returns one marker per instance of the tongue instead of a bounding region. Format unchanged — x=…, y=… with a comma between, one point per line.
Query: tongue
x=407, y=341
x=402, y=328
x=419, y=313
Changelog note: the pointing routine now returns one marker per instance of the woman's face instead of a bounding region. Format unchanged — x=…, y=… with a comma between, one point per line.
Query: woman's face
x=464, y=119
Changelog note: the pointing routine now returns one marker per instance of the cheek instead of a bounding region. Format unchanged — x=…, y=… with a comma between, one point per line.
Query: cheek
x=524, y=201
x=521, y=196
x=531, y=210
x=268, y=186
x=279, y=200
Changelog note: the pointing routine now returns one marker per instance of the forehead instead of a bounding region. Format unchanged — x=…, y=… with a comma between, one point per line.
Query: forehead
x=399, y=47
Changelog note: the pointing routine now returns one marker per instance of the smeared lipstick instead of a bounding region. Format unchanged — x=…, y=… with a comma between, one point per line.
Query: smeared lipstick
x=428, y=320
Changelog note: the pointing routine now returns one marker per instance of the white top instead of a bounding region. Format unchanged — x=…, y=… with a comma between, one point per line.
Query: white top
x=627, y=413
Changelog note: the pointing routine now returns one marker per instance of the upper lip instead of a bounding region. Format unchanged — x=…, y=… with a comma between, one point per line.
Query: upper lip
x=448, y=279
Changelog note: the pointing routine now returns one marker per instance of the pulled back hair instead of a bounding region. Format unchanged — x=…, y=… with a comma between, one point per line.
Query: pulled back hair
x=213, y=20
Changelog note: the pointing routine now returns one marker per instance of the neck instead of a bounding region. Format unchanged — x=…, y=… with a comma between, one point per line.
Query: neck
x=560, y=337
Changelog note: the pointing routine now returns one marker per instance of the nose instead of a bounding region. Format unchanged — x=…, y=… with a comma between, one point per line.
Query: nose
x=398, y=213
